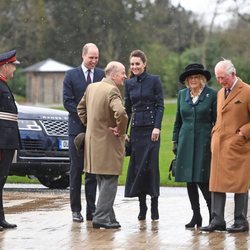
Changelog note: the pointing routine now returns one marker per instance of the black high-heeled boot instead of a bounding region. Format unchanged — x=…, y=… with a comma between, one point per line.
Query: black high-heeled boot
x=195, y=221
x=193, y=195
x=143, y=207
x=154, y=208
x=204, y=187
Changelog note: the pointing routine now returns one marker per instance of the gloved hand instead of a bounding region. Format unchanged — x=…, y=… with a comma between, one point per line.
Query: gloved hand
x=174, y=147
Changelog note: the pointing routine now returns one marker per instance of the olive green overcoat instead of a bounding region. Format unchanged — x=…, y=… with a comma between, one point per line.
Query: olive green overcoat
x=192, y=132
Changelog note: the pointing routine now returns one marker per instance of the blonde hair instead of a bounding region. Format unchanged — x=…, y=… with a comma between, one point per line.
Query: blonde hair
x=202, y=78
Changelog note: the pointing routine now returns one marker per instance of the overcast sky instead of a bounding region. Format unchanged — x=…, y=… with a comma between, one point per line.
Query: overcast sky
x=205, y=9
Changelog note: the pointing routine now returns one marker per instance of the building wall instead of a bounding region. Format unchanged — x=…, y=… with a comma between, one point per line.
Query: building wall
x=44, y=88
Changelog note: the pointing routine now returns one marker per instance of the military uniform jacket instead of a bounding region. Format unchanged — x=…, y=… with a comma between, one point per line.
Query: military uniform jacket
x=9, y=132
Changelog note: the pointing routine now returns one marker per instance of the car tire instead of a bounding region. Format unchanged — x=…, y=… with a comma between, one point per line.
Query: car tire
x=54, y=182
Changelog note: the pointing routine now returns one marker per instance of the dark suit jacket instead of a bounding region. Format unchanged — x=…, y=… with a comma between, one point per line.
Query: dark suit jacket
x=74, y=86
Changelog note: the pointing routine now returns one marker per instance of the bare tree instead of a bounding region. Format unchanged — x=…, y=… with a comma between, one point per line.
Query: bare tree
x=243, y=9
x=208, y=34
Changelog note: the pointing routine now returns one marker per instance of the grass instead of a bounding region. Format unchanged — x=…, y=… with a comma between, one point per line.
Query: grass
x=22, y=179
x=166, y=154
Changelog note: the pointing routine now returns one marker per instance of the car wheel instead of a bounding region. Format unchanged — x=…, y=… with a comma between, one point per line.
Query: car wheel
x=56, y=182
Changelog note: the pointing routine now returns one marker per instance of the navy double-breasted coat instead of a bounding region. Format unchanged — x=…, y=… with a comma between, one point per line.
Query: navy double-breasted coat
x=144, y=105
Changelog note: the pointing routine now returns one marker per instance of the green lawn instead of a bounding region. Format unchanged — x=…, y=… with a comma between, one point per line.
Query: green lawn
x=166, y=154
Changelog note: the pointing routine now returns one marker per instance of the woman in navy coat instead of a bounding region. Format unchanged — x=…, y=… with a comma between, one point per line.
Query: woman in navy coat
x=144, y=105
x=196, y=115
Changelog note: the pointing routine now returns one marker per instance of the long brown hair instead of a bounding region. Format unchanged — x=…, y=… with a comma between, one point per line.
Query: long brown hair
x=140, y=54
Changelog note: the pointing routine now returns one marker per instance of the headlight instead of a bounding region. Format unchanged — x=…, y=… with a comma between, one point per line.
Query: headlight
x=29, y=125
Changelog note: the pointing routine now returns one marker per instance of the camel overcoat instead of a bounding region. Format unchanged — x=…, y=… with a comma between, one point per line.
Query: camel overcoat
x=230, y=163
x=101, y=108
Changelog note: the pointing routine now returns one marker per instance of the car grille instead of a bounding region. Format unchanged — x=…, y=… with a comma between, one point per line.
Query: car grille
x=32, y=144
x=55, y=128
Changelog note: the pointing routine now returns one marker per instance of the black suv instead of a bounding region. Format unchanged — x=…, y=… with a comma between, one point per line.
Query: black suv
x=44, y=146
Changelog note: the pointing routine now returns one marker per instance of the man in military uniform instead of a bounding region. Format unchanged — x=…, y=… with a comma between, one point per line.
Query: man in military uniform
x=9, y=133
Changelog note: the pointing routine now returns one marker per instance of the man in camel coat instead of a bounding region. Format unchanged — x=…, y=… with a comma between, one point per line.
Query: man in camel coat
x=230, y=145
x=102, y=111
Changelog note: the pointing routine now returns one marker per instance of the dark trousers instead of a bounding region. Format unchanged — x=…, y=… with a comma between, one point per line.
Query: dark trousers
x=5, y=163
x=193, y=194
x=107, y=185
x=76, y=171
x=240, y=209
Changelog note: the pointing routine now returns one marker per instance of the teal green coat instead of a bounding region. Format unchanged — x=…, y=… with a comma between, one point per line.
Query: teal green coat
x=192, y=132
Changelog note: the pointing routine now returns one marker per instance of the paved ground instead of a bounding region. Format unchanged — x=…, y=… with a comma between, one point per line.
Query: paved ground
x=44, y=222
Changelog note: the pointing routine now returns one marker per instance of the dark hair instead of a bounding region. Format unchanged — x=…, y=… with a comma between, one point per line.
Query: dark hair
x=140, y=54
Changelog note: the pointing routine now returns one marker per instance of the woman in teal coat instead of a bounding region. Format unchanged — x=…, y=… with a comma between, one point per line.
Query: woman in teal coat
x=195, y=117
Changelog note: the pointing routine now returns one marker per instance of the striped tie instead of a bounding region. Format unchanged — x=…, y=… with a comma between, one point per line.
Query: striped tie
x=88, y=81
x=227, y=91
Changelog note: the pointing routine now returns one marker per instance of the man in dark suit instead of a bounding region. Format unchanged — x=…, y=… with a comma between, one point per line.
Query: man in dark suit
x=74, y=86
x=9, y=133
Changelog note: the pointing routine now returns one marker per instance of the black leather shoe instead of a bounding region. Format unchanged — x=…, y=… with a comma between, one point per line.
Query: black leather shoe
x=77, y=217
x=106, y=225
x=154, y=214
x=1, y=228
x=142, y=213
x=117, y=223
x=4, y=224
x=238, y=228
x=154, y=208
x=89, y=217
x=213, y=227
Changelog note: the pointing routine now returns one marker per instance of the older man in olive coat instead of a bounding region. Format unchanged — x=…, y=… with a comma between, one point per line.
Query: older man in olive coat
x=230, y=145
x=102, y=111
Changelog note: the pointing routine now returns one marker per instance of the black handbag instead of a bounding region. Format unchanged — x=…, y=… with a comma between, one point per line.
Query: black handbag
x=172, y=169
